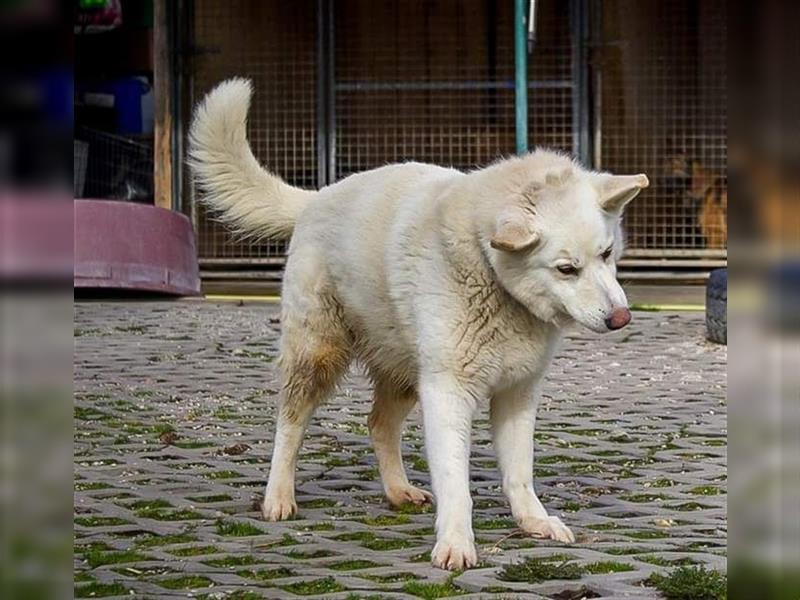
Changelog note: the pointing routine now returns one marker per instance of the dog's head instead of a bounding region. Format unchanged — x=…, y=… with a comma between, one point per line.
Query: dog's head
x=554, y=246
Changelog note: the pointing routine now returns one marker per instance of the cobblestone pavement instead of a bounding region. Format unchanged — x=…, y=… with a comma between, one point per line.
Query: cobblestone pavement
x=174, y=410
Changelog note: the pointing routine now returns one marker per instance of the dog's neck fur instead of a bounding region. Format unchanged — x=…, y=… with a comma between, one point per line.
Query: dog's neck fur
x=491, y=316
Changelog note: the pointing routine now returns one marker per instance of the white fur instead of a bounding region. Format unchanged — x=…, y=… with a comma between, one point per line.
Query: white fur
x=252, y=201
x=396, y=267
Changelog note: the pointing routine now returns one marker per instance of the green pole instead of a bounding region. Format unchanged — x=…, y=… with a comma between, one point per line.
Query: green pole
x=520, y=76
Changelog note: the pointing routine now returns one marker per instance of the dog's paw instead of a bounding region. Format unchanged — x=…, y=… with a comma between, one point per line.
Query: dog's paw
x=278, y=509
x=454, y=555
x=408, y=495
x=548, y=528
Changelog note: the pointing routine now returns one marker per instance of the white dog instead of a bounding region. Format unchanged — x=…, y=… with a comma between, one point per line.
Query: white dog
x=449, y=287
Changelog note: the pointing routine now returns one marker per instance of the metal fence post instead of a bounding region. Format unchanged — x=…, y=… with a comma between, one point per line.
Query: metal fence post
x=520, y=76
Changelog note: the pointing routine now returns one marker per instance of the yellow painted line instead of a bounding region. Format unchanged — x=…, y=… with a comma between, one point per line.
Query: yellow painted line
x=233, y=298
x=669, y=307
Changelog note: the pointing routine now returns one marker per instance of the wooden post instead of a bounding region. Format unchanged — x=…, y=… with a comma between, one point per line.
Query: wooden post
x=162, y=88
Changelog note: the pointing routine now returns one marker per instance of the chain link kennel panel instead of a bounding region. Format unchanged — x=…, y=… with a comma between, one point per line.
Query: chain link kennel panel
x=661, y=100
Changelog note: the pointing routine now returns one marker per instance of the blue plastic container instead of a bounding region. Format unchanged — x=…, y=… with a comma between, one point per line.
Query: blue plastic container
x=128, y=95
x=133, y=103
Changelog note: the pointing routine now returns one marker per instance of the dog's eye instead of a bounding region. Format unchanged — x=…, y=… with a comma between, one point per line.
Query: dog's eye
x=567, y=269
x=605, y=255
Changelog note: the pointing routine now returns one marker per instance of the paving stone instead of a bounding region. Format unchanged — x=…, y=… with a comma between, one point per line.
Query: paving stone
x=174, y=413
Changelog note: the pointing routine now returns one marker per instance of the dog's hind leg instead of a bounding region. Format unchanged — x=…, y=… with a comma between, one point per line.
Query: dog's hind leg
x=316, y=351
x=390, y=407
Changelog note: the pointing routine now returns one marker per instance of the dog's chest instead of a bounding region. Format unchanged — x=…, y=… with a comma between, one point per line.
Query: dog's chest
x=507, y=348
x=525, y=356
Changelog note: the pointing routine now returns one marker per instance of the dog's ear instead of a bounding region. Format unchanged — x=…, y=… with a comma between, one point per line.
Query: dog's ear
x=617, y=190
x=513, y=231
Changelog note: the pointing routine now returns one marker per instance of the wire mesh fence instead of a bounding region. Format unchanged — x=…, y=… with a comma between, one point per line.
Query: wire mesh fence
x=433, y=81
x=112, y=166
x=274, y=44
x=661, y=109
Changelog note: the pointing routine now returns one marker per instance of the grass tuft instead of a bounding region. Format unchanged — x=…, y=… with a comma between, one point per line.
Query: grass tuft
x=353, y=565
x=267, y=574
x=100, y=590
x=194, y=551
x=691, y=583
x=433, y=590
x=237, y=529
x=536, y=570
x=232, y=561
x=609, y=566
x=327, y=585
x=185, y=583
x=97, y=558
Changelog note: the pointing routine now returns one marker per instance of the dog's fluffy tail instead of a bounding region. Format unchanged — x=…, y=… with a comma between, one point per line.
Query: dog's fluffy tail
x=241, y=193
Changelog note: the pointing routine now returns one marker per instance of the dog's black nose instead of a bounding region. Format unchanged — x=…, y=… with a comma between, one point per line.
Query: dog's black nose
x=618, y=318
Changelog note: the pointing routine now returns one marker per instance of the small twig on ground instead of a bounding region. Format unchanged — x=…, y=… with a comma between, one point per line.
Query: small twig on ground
x=496, y=547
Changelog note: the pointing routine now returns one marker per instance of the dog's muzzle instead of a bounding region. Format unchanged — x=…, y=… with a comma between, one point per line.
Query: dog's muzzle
x=618, y=318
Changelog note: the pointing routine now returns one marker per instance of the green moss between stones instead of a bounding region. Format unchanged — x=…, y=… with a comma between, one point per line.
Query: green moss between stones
x=433, y=590
x=355, y=536
x=186, y=582
x=409, y=508
x=418, y=463
x=646, y=534
x=232, y=561
x=418, y=558
x=608, y=566
x=390, y=543
x=210, y=499
x=318, y=503
x=654, y=559
x=151, y=540
x=89, y=486
x=101, y=521
x=391, y=578
x=326, y=585
x=536, y=570
x=691, y=583
x=625, y=551
x=386, y=520
x=267, y=574
x=308, y=554
x=662, y=483
x=194, y=551
x=318, y=527
x=237, y=595
x=160, y=514
x=354, y=565
x=602, y=526
x=149, y=504
x=223, y=475
x=100, y=590
x=237, y=529
x=705, y=490
x=97, y=558
x=498, y=523
x=640, y=498
x=689, y=506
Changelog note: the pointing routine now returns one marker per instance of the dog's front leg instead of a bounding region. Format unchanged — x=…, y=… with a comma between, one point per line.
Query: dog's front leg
x=513, y=417
x=447, y=415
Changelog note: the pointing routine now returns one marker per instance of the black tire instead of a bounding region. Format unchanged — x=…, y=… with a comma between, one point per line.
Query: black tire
x=717, y=306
